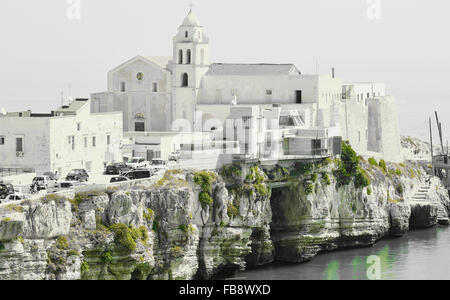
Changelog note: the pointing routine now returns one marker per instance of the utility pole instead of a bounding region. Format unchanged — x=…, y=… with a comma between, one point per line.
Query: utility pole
x=431, y=143
x=439, y=126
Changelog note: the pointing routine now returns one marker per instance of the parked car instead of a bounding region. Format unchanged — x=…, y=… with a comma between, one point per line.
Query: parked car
x=119, y=179
x=79, y=175
x=116, y=169
x=138, y=163
x=158, y=162
x=175, y=156
x=5, y=190
x=66, y=185
x=44, y=182
x=13, y=197
x=138, y=174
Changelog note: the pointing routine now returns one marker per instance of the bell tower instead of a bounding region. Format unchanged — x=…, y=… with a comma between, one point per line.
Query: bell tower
x=190, y=62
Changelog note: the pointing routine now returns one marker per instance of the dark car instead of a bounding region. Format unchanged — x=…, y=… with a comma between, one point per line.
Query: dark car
x=116, y=169
x=138, y=174
x=5, y=190
x=79, y=175
x=118, y=179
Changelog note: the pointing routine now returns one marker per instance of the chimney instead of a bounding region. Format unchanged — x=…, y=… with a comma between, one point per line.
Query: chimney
x=332, y=72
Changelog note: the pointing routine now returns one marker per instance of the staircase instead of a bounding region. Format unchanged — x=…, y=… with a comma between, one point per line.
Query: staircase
x=422, y=195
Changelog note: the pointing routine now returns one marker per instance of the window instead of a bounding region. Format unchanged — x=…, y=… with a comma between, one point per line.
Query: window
x=234, y=93
x=85, y=142
x=154, y=87
x=298, y=97
x=188, y=58
x=269, y=140
x=184, y=80
x=140, y=76
x=180, y=57
x=122, y=86
x=94, y=141
x=186, y=34
x=73, y=142
x=247, y=121
x=359, y=136
x=316, y=144
x=19, y=144
x=2, y=140
x=108, y=139
x=78, y=126
x=139, y=126
x=368, y=95
x=269, y=92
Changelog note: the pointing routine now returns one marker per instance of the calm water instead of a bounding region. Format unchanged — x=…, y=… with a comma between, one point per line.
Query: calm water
x=423, y=254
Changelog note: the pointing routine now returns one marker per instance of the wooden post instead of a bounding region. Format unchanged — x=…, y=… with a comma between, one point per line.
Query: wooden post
x=439, y=126
x=431, y=144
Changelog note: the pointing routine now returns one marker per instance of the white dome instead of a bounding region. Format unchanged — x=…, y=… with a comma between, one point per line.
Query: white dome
x=191, y=20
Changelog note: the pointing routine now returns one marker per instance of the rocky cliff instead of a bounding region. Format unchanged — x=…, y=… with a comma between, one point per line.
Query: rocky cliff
x=204, y=224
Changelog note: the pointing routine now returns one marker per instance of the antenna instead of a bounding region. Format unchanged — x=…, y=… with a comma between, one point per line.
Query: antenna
x=62, y=99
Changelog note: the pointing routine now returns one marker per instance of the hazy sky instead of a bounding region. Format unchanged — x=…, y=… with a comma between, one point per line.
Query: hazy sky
x=42, y=50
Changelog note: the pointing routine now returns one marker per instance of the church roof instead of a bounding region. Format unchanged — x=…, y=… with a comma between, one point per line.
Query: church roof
x=161, y=61
x=252, y=69
x=191, y=20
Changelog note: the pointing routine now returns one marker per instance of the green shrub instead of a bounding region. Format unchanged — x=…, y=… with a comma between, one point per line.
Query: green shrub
x=177, y=251
x=128, y=236
x=361, y=179
x=61, y=243
x=73, y=253
x=347, y=165
x=314, y=177
x=399, y=189
x=309, y=189
x=382, y=165
x=369, y=191
x=155, y=226
x=326, y=179
x=148, y=214
x=232, y=210
x=107, y=257
x=183, y=228
x=205, y=198
x=373, y=162
x=84, y=268
x=205, y=180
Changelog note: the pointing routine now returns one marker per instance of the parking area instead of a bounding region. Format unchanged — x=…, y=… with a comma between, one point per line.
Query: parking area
x=95, y=180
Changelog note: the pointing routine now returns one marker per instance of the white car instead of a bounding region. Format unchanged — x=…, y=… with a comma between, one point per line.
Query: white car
x=138, y=163
x=13, y=197
x=44, y=182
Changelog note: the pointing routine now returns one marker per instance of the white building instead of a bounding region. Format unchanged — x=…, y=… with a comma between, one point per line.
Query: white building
x=68, y=138
x=186, y=92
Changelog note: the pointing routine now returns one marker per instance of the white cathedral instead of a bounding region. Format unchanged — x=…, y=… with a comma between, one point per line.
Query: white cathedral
x=154, y=92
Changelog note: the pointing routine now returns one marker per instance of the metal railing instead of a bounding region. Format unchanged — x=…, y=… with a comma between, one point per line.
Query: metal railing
x=5, y=172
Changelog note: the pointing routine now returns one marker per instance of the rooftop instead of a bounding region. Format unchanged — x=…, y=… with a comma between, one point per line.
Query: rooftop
x=219, y=69
x=73, y=107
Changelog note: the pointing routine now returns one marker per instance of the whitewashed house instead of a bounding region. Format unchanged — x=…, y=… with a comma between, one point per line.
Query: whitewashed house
x=68, y=138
